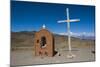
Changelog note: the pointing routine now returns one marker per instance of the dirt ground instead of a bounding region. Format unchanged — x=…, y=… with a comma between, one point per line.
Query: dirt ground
x=27, y=57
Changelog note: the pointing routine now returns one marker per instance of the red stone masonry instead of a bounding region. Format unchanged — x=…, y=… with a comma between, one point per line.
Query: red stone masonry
x=44, y=43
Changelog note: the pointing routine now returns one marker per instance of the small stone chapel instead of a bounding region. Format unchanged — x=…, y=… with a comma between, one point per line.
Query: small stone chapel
x=44, y=43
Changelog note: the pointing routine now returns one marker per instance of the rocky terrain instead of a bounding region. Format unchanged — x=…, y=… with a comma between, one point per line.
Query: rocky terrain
x=22, y=49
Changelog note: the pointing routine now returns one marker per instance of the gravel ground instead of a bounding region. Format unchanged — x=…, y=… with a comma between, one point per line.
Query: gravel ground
x=27, y=57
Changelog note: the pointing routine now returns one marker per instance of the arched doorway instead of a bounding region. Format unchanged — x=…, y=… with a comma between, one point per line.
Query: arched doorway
x=43, y=42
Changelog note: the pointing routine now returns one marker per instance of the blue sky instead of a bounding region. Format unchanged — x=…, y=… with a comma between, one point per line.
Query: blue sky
x=30, y=16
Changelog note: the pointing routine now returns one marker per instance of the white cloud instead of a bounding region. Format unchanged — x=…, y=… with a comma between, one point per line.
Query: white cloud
x=78, y=34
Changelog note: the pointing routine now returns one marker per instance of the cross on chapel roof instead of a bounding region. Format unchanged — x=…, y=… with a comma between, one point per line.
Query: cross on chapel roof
x=43, y=26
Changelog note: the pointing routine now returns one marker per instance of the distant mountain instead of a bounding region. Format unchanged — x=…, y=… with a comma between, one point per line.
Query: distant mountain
x=26, y=39
x=22, y=38
x=87, y=36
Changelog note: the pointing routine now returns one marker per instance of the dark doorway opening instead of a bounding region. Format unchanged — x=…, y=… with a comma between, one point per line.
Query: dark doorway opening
x=43, y=41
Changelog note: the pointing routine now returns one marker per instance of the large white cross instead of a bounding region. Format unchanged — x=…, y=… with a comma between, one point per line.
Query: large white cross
x=68, y=20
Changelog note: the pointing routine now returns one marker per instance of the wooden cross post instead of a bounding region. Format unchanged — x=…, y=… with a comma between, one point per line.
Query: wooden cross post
x=68, y=30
